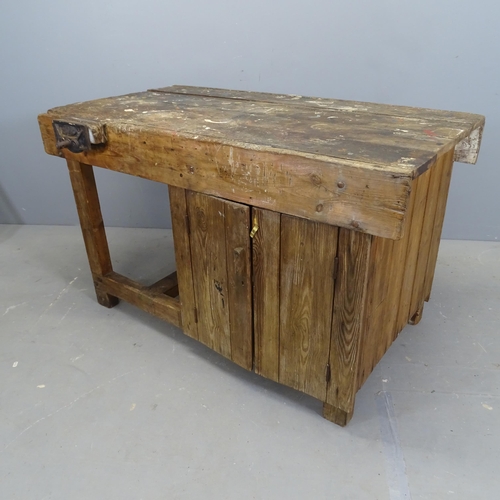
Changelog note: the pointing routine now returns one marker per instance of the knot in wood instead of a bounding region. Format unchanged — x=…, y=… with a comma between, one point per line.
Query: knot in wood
x=316, y=179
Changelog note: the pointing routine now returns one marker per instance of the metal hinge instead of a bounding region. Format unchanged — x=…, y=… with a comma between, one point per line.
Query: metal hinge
x=335, y=268
x=328, y=373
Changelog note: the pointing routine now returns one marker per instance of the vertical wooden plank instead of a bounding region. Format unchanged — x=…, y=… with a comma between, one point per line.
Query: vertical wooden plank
x=266, y=292
x=308, y=251
x=417, y=298
x=237, y=220
x=208, y=254
x=94, y=233
x=438, y=223
x=415, y=233
x=398, y=259
x=182, y=247
x=385, y=315
x=380, y=274
x=347, y=322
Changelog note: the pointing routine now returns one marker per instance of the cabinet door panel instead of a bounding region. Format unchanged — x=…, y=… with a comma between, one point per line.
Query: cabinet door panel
x=220, y=254
x=266, y=286
x=308, y=251
x=239, y=274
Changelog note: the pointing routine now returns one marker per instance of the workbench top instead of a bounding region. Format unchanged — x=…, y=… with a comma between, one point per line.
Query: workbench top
x=359, y=158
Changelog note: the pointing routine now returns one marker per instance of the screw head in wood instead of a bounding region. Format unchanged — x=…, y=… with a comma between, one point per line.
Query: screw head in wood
x=340, y=184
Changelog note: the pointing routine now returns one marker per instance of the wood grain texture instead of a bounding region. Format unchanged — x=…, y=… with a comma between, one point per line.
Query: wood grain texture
x=343, y=134
x=378, y=310
x=336, y=415
x=169, y=285
x=262, y=149
x=348, y=317
x=318, y=179
x=349, y=194
x=208, y=253
x=158, y=304
x=418, y=297
x=444, y=187
x=92, y=225
x=266, y=248
x=390, y=263
x=239, y=264
x=182, y=248
x=339, y=105
x=379, y=325
x=467, y=150
x=387, y=268
x=399, y=252
x=308, y=251
x=415, y=234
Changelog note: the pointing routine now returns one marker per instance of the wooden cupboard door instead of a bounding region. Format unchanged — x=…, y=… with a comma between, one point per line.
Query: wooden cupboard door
x=266, y=246
x=219, y=238
x=294, y=262
x=308, y=251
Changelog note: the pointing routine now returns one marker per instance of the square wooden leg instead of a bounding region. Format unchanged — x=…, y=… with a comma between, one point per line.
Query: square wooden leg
x=336, y=415
x=94, y=234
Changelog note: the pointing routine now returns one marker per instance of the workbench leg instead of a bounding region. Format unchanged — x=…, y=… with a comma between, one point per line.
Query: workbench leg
x=94, y=234
x=415, y=319
x=337, y=415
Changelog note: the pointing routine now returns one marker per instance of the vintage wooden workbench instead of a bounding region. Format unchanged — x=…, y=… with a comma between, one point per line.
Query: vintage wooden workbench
x=306, y=230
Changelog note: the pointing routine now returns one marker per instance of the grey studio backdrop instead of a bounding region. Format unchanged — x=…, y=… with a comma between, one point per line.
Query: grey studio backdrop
x=431, y=53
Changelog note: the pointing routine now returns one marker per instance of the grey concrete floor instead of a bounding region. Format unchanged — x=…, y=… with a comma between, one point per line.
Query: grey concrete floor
x=116, y=404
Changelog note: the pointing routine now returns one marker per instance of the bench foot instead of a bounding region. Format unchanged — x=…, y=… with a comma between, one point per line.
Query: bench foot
x=106, y=300
x=415, y=319
x=336, y=415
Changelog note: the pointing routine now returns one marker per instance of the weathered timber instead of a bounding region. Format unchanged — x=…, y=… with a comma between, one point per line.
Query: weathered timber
x=168, y=285
x=378, y=309
x=262, y=149
x=239, y=276
x=422, y=259
x=440, y=117
x=308, y=252
x=337, y=415
x=266, y=251
x=94, y=234
x=467, y=150
x=306, y=230
x=403, y=268
x=415, y=234
x=158, y=304
x=348, y=318
x=345, y=193
x=208, y=253
x=438, y=224
x=182, y=248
